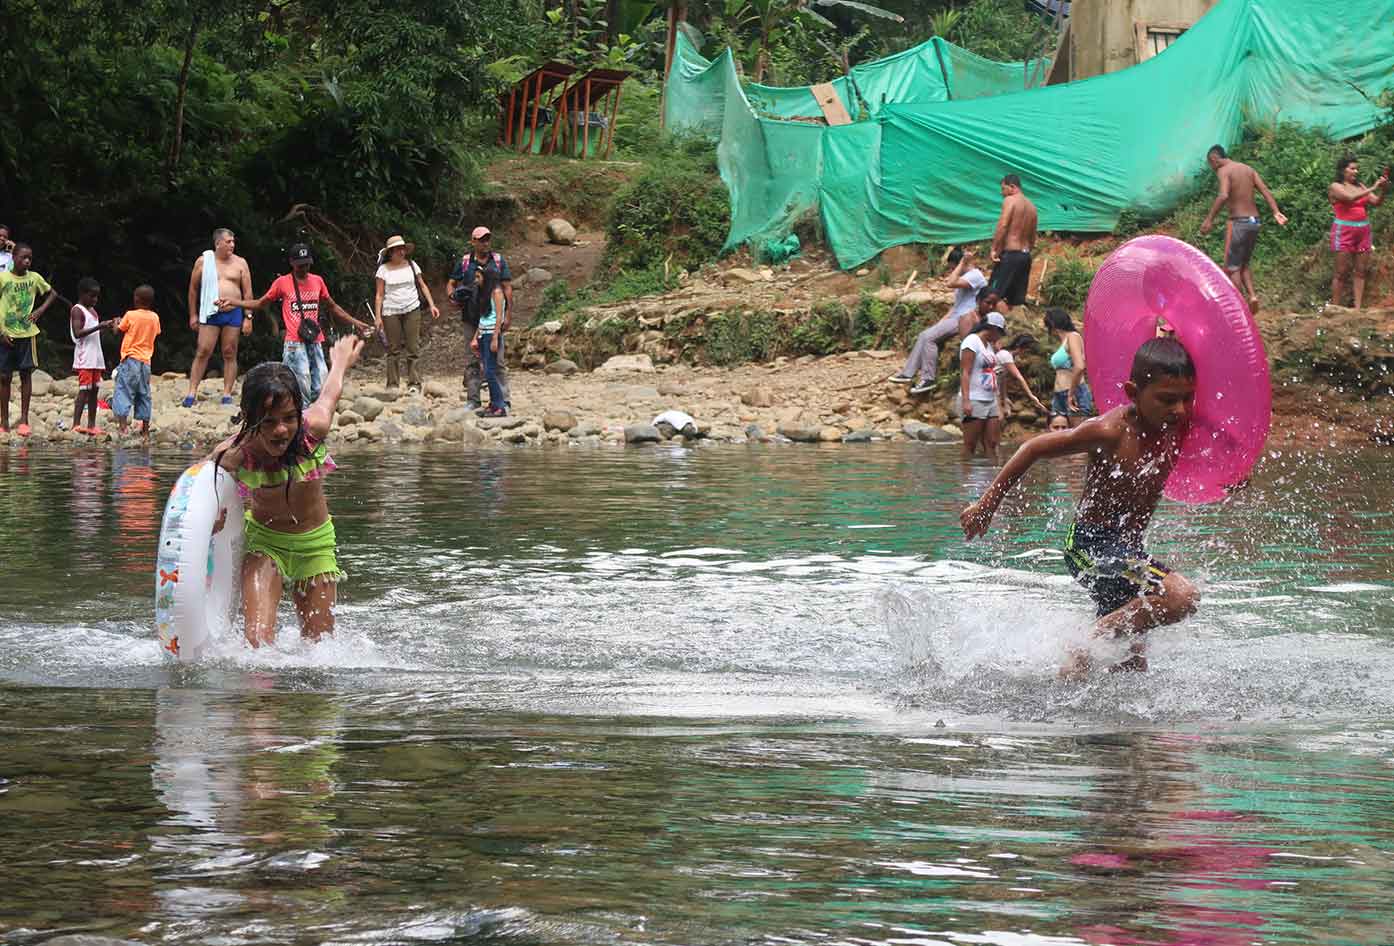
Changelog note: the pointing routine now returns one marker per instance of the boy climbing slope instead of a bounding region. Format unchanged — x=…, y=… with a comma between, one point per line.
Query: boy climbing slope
x=1132, y=450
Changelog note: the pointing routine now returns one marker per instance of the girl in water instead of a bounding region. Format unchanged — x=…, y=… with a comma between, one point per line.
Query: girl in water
x=1072, y=396
x=279, y=462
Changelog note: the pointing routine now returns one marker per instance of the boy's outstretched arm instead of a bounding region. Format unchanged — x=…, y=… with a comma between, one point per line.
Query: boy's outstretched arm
x=1090, y=435
x=320, y=415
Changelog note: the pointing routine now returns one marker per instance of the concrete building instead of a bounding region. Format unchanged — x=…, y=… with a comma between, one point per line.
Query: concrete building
x=1107, y=35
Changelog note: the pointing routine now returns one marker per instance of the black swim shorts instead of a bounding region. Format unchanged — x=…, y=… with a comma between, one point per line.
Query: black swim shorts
x=1243, y=234
x=1010, y=276
x=20, y=354
x=1113, y=570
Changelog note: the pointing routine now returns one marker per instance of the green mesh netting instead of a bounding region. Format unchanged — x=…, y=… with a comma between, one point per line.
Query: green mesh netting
x=923, y=164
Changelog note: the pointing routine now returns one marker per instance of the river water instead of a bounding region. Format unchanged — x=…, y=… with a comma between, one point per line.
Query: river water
x=727, y=695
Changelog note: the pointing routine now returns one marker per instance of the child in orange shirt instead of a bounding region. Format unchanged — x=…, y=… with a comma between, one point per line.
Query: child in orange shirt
x=140, y=325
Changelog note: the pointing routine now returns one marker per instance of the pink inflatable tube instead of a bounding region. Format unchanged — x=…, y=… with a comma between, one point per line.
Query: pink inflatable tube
x=1156, y=278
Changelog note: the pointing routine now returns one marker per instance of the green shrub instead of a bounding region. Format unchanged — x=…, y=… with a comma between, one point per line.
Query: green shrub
x=825, y=330
x=735, y=337
x=556, y=299
x=1067, y=283
x=677, y=211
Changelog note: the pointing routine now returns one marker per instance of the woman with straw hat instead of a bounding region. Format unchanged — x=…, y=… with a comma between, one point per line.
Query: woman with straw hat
x=397, y=308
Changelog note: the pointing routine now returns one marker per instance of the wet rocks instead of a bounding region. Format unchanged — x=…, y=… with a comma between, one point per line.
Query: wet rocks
x=368, y=407
x=642, y=433
x=563, y=366
x=800, y=433
x=758, y=397
x=558, y=420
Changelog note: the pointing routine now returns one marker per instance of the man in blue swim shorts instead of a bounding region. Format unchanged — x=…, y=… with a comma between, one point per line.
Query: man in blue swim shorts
x=218, y=274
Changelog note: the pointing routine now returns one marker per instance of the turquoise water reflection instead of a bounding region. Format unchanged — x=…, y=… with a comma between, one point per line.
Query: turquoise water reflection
x=712, y=696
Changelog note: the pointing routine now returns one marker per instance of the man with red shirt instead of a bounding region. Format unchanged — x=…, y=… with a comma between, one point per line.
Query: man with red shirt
x=303, y=297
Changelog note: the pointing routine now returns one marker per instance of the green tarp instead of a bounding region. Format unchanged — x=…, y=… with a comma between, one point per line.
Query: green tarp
x=924, y=166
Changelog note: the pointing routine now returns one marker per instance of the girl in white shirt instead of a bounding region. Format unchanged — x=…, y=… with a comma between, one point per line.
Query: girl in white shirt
x=397, y=309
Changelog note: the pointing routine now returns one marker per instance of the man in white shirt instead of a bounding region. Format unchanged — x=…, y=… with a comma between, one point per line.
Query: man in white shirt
x=923, y=364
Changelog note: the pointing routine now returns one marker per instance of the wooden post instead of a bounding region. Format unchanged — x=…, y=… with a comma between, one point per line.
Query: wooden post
x=614, y=113
x=536, y=104
x=508, y=119
x=586, y=120
x=559, y=117
x=675, y=16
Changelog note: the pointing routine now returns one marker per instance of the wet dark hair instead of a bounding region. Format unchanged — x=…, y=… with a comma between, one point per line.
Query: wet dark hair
x=1012, y=180
x=955, y=255
x=88, y=284
x=1161, y=358
x=1341, y=164
x=262, y=388
x=144, y=292
x=986, y=291
x=1217, y=150
x=1058, y=320
x=23, y=246
x=1021, y=341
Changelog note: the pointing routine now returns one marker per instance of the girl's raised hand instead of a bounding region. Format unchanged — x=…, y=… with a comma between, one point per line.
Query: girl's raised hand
x=347, y=350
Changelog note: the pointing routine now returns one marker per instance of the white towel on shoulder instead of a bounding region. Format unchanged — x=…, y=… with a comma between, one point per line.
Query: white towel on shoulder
x=208, y=287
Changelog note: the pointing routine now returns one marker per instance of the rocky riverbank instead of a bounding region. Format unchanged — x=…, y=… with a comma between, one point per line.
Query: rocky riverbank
x=839, y=398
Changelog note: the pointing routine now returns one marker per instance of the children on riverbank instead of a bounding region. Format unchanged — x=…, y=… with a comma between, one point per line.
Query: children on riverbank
x=140, y=325
x=1132, y=450
x=279, y=462
x=20, y=289
x=89, y=363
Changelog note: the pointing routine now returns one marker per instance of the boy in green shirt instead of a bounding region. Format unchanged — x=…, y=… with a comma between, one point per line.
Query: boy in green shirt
x=20, y=288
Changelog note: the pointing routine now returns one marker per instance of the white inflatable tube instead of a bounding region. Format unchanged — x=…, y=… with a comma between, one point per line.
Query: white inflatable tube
x=197, y=573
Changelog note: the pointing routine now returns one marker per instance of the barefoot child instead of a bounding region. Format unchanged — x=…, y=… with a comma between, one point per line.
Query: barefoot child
x=140, y=325
x=20, y=288
x=88, y=361
x=1132, y=450
x=279, y=462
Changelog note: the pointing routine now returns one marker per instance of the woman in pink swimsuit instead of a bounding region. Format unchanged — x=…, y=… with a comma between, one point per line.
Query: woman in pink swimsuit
x=1350, y=231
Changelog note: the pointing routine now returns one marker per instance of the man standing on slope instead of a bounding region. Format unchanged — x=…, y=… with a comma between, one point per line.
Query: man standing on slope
x=218, y=274
x=1012, y=243
x=1237, y=183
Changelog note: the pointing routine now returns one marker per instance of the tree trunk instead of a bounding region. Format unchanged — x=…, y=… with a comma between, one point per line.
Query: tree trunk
x=176, y=145
x=612, y=21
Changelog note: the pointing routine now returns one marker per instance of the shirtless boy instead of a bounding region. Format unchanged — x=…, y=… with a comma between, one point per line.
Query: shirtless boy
x=1012, y=243
x=1237, y=184
x=218, y=326
x=1132, y=450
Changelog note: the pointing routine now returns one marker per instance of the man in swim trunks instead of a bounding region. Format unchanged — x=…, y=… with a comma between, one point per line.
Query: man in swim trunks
x=1237, y=184
x=217, y=326
x=1012, y=243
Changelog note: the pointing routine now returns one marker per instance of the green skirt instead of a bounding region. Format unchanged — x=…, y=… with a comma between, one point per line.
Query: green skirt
x=300, y=557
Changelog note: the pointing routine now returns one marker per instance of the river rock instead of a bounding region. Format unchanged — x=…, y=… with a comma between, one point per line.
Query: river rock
x=533, y=360
x=921, y=297
x=65, y=388
x=85, y=939
x=417, y=416
x=436, y=389
x=473, y=436
x=537, y=276
x=642, y=433
x=740, y=274
x=864, y=435
x=563, y=366
x=531, y=429
x=500, y=423
x=390, y=430
x=447, y=430
x=368, y=407
x=756, y=432
x=559, y=420
x=586, y=428
x=830, y=434
x=369, y=431
x=642, y=364
x=560, y=232
x=800, y=433
x=758, y=397
x=671, y=389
